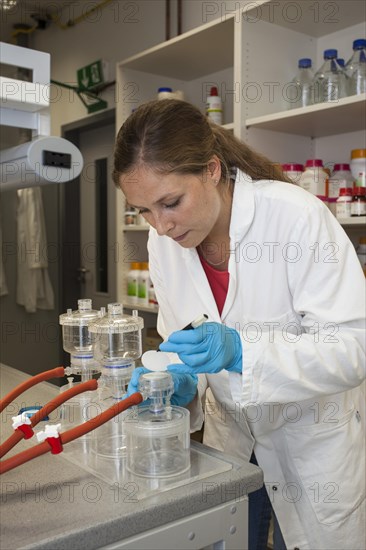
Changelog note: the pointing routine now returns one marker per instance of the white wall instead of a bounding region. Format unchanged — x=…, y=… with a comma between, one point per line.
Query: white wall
x=120, y=30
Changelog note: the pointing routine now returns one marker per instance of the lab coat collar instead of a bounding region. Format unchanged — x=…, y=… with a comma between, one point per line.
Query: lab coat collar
x=243, y=206
x=242, y=213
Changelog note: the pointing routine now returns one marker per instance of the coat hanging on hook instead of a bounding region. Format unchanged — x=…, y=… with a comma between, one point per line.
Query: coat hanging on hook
x=34, y=289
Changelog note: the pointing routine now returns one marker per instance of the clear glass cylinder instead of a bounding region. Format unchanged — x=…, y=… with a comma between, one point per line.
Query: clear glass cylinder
x=109, y=439
x=76, y=337
x=116, y=337
x=158, y=444
x=74, y=412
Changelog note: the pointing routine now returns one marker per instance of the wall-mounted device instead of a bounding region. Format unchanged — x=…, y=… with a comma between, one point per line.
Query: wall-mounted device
x=25, y=104
x=43, y=160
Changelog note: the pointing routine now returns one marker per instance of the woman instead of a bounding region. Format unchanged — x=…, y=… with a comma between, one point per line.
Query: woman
x=283, y=352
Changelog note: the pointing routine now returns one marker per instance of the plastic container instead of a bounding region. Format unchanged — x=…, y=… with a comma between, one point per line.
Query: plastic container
x=343, y=204
x=341, y=178
x=165, y=93
x=133, y=281
x=116, y=344
x=76, y=411
x=300, y=93
x=158, y=440
x=109, y=440
x=214, y=106
x=152, y=295
x=315, y=178
x=130, y=217
x=358, y=205
x=358, y=166
x=331, y=80
x=143, y=284
x=77, y=340
x=293, y=171
x=116, y=337
x=356, y=68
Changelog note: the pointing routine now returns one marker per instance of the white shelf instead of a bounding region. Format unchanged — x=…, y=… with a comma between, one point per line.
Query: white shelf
x=229, y=126
x=324, y=119
x=191, y=55
x=24, y=96
x=148, y=308
x=316, y=19
x=135, y=227
x=358, y=221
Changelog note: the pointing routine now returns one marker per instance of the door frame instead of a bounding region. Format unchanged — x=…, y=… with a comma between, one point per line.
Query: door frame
x=69, y=212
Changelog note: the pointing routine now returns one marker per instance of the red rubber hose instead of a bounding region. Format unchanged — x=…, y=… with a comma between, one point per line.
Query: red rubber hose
x=18, y=390
x=17, y=435
x=72, y=434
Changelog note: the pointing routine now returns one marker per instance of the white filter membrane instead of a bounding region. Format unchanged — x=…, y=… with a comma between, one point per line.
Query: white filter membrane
x=159, y=360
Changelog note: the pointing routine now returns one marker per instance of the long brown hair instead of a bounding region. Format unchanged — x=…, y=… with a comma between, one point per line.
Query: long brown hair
x=174, y=136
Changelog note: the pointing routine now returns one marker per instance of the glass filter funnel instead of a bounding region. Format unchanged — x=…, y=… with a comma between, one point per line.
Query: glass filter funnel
x=117, y=344
x=77, y=339
x=158, y=439
x=116, y=337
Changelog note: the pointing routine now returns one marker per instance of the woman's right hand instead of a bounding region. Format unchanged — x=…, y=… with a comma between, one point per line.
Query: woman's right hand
x=185, y=386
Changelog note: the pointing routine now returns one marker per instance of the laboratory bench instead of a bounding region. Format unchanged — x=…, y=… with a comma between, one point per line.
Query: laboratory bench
x=52, y=502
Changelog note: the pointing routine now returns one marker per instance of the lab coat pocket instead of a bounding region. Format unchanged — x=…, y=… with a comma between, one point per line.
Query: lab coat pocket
x=329, y=459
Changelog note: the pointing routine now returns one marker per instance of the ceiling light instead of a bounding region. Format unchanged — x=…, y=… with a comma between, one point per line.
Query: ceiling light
x=8, y=4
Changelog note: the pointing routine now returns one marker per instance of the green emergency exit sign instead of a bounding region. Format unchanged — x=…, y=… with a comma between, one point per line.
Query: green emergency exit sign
x=92, y=76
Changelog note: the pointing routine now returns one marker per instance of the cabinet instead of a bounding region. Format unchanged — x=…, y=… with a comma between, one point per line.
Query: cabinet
x=251, y=55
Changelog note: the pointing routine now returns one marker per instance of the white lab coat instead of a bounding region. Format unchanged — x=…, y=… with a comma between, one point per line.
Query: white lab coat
x=297, y=297
x=34, y=289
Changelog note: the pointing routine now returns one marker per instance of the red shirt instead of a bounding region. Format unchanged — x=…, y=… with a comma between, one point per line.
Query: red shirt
x=219, y=283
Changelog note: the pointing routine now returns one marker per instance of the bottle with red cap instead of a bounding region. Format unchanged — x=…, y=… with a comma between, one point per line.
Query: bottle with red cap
x=293, y=171
x=214, y=106
x=315, y=178
x=341, y=178
x=343, y=204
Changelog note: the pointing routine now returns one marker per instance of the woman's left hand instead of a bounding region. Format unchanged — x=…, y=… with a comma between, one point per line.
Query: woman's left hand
x=208, y=348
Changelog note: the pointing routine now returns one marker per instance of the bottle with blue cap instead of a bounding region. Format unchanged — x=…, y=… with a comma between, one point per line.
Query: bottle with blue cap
x=330, y=81
x=165, y=93
x=356, y=67
x=300, y=91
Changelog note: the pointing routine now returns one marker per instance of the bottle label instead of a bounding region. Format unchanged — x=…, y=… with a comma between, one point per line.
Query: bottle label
x=215, y=116
x=358, y=208
x=214, y=104
x=132, y=287
x=142, y=291
x=314, y=181
x=335, y=185
x=361, y=180
x=343, y=210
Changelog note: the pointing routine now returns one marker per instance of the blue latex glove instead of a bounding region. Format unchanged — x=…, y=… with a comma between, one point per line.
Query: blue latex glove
x=208, y=348
x=185, y=386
